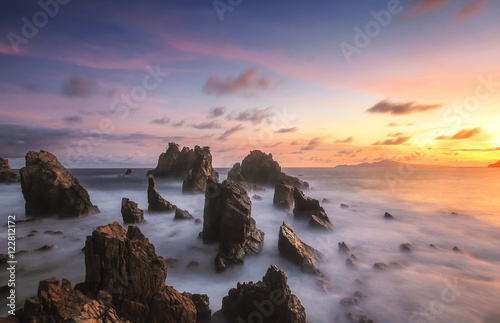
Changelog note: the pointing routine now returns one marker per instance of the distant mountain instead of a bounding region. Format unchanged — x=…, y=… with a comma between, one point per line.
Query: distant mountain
x=388, y=163
x=495, y=165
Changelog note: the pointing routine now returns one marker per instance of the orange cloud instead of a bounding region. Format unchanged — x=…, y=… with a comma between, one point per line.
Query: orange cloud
x=386, y=106
x=471, y=9
x=391, y=142
x=462, y=134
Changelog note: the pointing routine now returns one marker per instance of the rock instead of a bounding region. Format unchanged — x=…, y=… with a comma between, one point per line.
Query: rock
x=457, y=249
x=53, y=232
x=200, y=172
x=283, y=195
x=198, y=221
x=344, y=206
x=6, y=174
x=156, y=202
x=359, y=318
x=234, y=174
x=388, y=216
x=271, y=298
x=129, y=171
x=49, y=189
x=350, y=262
x=381, y=266
x=406, y=247
x=202, y=304
x=497, y=164
x=359, y=294
x=344, y=248
x=65, y=284
x=398, y=264
x=46, y=248
x=182, y=215
x=349, y=301
x=131, y=212
x=257, y=197
x=298, y=252
x=325, y=200
x=306, y=207
x=227, y=219
x=193, y=264
x=172, y=262
x=293, y=181
x=125, y=264
x=174, y=163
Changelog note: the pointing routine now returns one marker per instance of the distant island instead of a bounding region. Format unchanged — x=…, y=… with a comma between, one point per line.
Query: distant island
x=495, y=165
x=388, y=163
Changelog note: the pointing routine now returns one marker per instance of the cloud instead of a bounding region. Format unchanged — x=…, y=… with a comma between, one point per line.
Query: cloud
x=73, y=119
x=393, y=124
x=429, y=5
x=207, y=125
x=294, y=143
x=344, y=141
x=312, y=144
x=246, y=82
x=231, y=131
x=462, y=134
x=394, y=134
x=78, y=86
x=479, y=149
x=163, y=120
x=390, y=142
x=254, y=115
x=386, y=106
x=216, y=112
x=178, y=124
x=471, y=9
x=286, y=130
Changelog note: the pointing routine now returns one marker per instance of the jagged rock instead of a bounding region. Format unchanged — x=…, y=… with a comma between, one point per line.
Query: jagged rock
x=6, y=174
x=201, y=171
x=46, y=248
x=344, y=206
x=359, y=318
x=125, y=264
x=234, y=174
x=283, y=195
x=129, y=171
x=174, y=163
x=344, y=248
x=388, y=216
x=182, y=215
x=381, y=266
x=131, y=212
x=457, y=249
x=406, y=247
x=257, y=197
x=155, y=201
x=49, y=189
x=298, y=252
x=497, y=164
x=349, y=301
x=202, y=304
x=269, y=300
x=306, y=207
x=227, y=218
x=398, y=264
x=293, y=181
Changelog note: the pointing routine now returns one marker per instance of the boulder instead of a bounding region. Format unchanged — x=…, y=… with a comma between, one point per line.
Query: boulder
x=155, y=201
x=406, y=247
x=344, y=248
x=129, y=171
x=497, y=164
x=388, y=216
x=182, y=215
x=309, y=208
x=227, y=219
x=6, y=174
x=297, y=251
x=131, y=212
x=50, y=189
x=174, y=162
x=283, y=195
x=202, y=304
x=271, y=298
x=200, y=172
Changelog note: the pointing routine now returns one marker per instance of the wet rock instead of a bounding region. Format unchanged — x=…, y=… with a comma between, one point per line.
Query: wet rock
x=182, y=215
x=309, y=208
x=201, y=171
x=388, y=216
x=174, y=163
x=129, y=171
x=271, y=297
x=298, y=252
x=156, y=202
x=202, y=304
x=6, y=174
x=406, y=247
x=50, y=189
x=283, y=195
x=257, y=197
x=381, y=266
x=227, y=219
x=344, y=248
x=131, y=212
x=46, y=248
x=344, y=206
x=358, y=318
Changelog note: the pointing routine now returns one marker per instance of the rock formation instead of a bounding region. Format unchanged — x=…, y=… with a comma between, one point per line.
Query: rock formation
x=283, y=195
x=155, y=201
x=388, y=216
x=182, y=215
x=129, y=171
x=298, y=252
x=6, y=174
x=200, y=172
x=497, y=164
x=50, y=189
x=131, y=212
x=269, y=300
x=174, y=162
x=227, y=219
x=306, y=207
x=260, y=168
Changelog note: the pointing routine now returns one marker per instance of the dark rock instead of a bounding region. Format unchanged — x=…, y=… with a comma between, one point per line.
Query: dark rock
x=202, y=304
x=200, y=172
x=344, y=206
x=358, y=318
x=182, y=215
x=4, y=258
x=406, y=247
x=271, y=297
x=257, y=197
x=350, y=262
x=174, y=163
x=193, y=264
x=398, y=264
x=4, y=289
x=198, y=221
x=46, y=248
x=349, y=301
x=359, y=294
x=172, y=262
x=432, y=245
x=454, y=213
x=234, y=174
x=457, y=249
x=298, y=252
x=49, y=189
x=306, y=207
x=131, y=212
x=344, y=248
x=283, y=195
x=388, y=216
x=31, y=235
x=381, y=266
x=155, y=201
x=325, y=200
x=53, y=232
x=227, y=219
x=65, y=284
x=129, y=172
x=6, y=174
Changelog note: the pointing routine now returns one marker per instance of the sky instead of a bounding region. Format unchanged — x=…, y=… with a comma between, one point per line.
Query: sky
x=104, y=83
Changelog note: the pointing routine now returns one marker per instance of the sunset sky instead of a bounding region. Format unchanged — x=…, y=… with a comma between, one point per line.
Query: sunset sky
x=104, y=83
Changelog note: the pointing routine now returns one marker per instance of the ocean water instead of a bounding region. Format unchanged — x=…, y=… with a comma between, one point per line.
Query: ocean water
x=444, y=206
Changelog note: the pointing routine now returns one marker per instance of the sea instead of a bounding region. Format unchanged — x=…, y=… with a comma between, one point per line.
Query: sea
x=445, y=207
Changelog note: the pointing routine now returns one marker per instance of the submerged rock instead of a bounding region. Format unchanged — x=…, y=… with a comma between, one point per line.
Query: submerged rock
x=406, y=247
x=155, y=201
x=306, y=207
x=227, y=219
x=344, y=248
x=200, y=172
x=129, y=171
x=271, y=298
x=50, y=189
x=344, y=206
x=131, y=212
x=257, y=197
x=388, y=216
x=6, y=174
x=381, y=266
x=283, y=195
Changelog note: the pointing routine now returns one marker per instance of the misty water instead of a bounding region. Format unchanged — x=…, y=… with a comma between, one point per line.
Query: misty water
x=446, y=207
